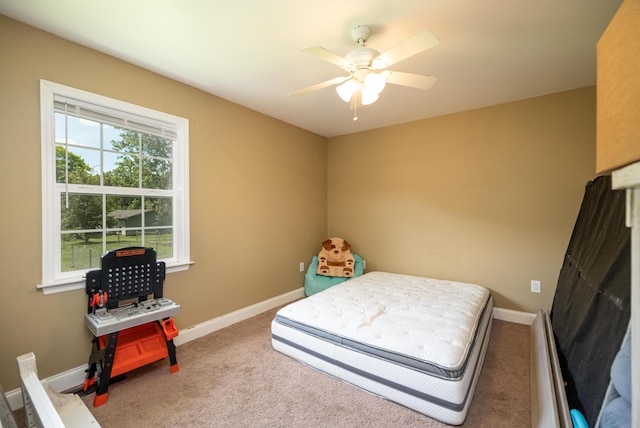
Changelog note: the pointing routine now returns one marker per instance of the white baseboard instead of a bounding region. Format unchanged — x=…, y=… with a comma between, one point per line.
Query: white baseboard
x=73, y=378
x=199, y=330
x=517, y=317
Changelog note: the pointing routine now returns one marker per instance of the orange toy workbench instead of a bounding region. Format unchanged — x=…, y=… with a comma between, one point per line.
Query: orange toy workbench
x=130, y=329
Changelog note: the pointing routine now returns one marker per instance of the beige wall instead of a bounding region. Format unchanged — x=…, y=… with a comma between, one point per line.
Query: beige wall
x=487, y=196
x=258, y=198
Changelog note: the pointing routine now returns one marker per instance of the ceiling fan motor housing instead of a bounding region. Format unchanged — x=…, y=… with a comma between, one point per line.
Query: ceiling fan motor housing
x=360, y=34
x=362, y=57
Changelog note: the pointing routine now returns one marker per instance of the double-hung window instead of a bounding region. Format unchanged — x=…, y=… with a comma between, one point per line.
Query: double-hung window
x=113, y=175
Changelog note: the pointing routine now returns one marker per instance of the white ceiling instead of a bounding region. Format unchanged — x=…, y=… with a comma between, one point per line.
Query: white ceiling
x=249, y=51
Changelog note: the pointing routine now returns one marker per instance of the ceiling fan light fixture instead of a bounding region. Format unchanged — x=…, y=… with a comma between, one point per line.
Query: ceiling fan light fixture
x=370, y=87
x=346, y=90
x=375, y=82
x=368, y=96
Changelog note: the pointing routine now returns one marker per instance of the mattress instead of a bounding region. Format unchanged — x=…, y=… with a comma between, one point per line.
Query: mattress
x=416, y=341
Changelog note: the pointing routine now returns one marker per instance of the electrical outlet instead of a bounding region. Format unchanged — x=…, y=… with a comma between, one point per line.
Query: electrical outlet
x=364, y=264
x=301, y=266
x=535, y=286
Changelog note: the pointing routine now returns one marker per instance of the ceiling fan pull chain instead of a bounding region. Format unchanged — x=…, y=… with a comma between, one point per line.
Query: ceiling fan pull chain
x=355, y=110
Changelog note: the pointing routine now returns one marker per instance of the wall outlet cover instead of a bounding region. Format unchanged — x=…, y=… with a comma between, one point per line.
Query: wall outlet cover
x=535, y=286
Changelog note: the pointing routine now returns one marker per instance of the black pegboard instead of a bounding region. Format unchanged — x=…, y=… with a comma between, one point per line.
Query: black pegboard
x=127, y=273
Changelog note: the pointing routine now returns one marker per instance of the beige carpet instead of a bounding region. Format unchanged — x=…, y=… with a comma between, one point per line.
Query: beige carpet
x=233, y=378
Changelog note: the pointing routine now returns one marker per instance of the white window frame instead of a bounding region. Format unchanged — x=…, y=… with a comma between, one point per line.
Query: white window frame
x=53, y=279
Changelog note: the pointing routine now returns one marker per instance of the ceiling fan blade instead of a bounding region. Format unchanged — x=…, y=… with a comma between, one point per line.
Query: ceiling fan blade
x=409, y=79
x=327, y=55
x=415, y=44
x=318, y=86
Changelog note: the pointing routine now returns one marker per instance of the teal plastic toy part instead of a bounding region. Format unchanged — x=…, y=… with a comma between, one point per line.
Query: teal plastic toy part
x=578, y=420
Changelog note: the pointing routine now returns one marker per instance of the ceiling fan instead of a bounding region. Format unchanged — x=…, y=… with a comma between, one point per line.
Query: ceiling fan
x=367, y=67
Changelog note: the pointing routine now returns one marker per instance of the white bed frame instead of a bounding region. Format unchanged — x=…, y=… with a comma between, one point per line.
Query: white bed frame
x=549, y=407
x=629, y=178
x=46, y=408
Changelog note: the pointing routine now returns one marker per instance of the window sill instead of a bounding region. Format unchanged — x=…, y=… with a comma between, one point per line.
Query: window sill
x=78, y=283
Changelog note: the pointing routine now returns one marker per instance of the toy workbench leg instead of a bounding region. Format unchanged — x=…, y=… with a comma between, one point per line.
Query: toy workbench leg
x=95, y=356
x=105, y=375
x=170, y=331
x=171, y=348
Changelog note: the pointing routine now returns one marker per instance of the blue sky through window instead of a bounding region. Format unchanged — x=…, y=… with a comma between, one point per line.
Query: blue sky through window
x=83, y=137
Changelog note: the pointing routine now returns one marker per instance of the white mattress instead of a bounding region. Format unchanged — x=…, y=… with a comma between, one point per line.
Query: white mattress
x=417, y=341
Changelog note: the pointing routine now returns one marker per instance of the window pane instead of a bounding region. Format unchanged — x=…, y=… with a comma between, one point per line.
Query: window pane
x=161, y=240
x=124, y=238
x=84, y=213
x=156, y=163
x=158, y=212
x=79, y=132
x=77, y=254
x=121, y=170
x=157, y=147
x=124, y=211
x=127, y=141
x=156, y=174
x=78, y=166
x=110, y=163
x=110, y=134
